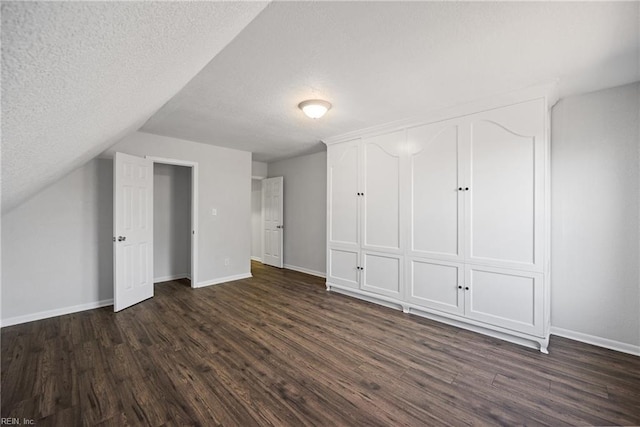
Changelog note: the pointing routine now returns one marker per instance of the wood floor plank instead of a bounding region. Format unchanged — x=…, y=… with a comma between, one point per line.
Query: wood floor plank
x=278, y=349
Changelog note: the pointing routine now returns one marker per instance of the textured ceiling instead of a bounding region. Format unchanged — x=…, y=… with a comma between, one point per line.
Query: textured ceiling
x=78, y=76
x=378, y=62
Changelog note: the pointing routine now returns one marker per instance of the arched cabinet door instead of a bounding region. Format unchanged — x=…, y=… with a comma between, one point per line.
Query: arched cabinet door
x=504, y=206
x=381, y=192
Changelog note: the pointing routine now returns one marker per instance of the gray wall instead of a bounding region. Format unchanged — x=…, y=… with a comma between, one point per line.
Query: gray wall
x=171, y=222
x=256, y=219
x=595, y=219
x=57, y=246
x=57, y=250
x=224, y=181
x=305, y=211
x=258, y=170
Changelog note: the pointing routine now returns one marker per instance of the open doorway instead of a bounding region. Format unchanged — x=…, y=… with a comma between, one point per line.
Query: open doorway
x=256, y=219
x=267, y=222
x=174, y=220
x=133, y=218
x=171, y=222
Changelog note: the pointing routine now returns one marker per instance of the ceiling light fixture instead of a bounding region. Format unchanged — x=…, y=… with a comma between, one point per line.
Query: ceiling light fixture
x=314, y=108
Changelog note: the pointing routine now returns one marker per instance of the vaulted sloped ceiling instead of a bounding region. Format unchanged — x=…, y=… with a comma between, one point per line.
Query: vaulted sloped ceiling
x=78, y=76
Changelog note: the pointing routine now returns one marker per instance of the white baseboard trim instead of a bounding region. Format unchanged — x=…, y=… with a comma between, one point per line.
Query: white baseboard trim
x=172, y=277
x=256, y=258
x=598, y=341
x=57, y=312
x=223, y=280
x=305, y=270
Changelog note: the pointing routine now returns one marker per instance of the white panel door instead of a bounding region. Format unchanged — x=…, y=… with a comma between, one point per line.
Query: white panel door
x=133, y=230
x=343, y=267
x=272, y=221
x=436, y=195
x=382, y=274
x=508, y=298
x=436, y=284
x=381, y=191
x=505, y=202
x=343, y=166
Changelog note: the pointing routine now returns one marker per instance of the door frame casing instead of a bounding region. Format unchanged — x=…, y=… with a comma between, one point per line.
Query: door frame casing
x=194, y=209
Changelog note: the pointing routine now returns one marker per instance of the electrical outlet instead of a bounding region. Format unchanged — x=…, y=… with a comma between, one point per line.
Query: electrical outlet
x=227, y=261
x=214, y=211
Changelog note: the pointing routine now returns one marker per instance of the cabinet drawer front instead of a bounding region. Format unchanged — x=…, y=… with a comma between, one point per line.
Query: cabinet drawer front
x=382, y=274
x=435, y=284
x=506, y=298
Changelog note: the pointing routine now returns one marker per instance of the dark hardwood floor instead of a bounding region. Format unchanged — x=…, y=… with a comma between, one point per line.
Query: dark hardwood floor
x=279, y=350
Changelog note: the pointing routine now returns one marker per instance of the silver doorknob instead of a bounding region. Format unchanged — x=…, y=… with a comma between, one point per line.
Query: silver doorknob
x=121, y=238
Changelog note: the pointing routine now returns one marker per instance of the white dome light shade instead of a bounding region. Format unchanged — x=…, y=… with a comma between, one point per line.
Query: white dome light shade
x=314, y=108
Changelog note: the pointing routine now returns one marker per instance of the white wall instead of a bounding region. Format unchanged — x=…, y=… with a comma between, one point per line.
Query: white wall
x=595, y=217
x=305, y=211
x=57, y=246
x=171, y=222
x=256, y=219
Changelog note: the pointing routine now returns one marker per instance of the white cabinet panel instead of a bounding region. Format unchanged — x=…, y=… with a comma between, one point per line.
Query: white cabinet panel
x=436, y=285
x=343, y=269
x=435, y=175
x=381, y=200
x=504, y=205
x=382, y=273
x=342, y=186
x=508, y=298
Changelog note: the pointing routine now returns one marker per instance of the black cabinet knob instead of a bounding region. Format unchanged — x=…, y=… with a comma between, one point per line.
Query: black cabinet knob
x=466, y=288
x=466, y=188
x=459, y=188
x=459, y=287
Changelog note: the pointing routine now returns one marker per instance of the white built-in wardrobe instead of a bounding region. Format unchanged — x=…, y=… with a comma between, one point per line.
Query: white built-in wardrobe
x=447, y=216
